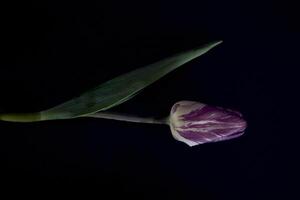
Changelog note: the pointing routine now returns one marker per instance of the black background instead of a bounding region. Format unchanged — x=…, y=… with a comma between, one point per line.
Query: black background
x=54, y=50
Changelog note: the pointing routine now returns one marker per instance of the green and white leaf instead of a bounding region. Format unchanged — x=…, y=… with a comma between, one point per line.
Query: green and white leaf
x=115, y=91
x=122, y=88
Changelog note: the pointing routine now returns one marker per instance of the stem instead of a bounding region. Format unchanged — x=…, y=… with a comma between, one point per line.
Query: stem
x=127, y=118
x=34, y=117
x=21, y=117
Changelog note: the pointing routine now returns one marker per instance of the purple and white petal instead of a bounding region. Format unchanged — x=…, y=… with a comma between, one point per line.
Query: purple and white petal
x=197, y=123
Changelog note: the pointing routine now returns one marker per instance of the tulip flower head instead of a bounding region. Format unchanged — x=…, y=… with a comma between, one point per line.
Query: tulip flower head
x=197, y=123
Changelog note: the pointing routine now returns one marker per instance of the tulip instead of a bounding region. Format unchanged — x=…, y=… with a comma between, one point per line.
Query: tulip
x=192, y=122
x=197, y=123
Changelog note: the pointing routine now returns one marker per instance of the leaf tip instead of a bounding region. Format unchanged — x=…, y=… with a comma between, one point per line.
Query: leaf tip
x=215, y=43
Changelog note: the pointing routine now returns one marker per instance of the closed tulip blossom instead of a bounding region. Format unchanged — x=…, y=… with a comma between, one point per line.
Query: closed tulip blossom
x=197, y=123
x=193, y=122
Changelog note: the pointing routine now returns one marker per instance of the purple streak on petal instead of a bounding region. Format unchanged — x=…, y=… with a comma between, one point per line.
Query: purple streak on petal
x=214, y=124
x=195, y=136
x=227, y=131
x=235, y=135
x=234, y=111
x=212, y=132
x=196, y=114
x=205, y=137
x=209, y=112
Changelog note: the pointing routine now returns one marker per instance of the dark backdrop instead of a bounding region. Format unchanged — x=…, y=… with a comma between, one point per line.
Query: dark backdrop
x=54, y=50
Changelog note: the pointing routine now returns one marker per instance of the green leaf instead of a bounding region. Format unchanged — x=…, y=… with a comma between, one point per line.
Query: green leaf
x=121, y=88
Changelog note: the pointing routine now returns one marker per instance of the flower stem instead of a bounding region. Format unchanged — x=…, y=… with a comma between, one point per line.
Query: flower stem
x=127, y=118
x=21, y=117
x=34, y=117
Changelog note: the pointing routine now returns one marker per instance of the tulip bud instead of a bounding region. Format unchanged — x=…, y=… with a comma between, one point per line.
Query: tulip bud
x=197, y=123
